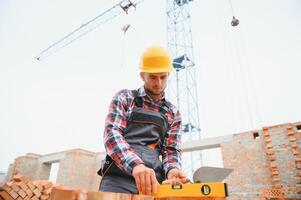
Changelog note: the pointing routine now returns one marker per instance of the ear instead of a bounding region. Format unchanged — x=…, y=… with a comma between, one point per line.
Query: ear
x=142, y=76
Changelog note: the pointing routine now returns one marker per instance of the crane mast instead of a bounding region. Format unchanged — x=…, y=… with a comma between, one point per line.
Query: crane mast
x=182, y=87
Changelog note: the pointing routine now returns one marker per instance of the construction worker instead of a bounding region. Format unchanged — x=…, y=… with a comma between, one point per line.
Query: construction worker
x=142, y=133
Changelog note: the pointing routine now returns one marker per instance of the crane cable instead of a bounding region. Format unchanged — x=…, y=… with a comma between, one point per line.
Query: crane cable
x=243, y=70
x=250, y=80
x=234, y=21
x=246, y=77
x=244, y=81
x=231, y=6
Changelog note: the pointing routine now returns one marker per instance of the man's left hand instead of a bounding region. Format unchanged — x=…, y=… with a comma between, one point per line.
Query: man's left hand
x=176, y=177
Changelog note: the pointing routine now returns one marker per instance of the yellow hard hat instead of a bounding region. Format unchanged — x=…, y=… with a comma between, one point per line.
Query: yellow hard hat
x=155, y=59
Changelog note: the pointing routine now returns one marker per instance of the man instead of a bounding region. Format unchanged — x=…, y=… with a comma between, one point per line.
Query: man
x=142, y=133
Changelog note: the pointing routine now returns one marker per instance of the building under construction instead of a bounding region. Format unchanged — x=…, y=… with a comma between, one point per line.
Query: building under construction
x=266, y=163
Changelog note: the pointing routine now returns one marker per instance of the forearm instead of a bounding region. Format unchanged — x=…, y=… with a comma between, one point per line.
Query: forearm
x=171, y=158
x=120, y=151
x=171, y=154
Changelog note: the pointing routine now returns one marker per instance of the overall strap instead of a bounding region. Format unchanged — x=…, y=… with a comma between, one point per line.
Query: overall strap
x=163, y=108
x=138, y=100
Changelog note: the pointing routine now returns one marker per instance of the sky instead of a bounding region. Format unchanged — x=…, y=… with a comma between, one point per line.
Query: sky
x=247, y=76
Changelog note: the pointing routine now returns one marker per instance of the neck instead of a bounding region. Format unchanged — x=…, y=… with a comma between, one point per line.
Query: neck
x=152, y=95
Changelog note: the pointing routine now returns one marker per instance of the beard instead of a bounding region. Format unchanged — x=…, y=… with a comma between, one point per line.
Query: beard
x=153, y=93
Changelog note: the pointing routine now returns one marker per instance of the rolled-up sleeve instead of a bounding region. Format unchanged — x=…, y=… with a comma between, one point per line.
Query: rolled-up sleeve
x=171, y=154
x=116, y=146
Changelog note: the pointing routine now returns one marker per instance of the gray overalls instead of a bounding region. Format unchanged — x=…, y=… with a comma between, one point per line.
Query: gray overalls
x=145, y=133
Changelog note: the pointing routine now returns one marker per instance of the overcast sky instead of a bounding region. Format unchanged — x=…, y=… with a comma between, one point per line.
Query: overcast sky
x=247, y=76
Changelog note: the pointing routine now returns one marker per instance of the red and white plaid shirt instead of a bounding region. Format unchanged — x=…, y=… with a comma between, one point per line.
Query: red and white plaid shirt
x=120, y=151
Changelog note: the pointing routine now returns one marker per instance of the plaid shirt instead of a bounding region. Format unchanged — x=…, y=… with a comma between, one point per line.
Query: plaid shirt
x=120, y=151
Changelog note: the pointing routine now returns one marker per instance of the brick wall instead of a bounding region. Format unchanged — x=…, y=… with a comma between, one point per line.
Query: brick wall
x=247, y=155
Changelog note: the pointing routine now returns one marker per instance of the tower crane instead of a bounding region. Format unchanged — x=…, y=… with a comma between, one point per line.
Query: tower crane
x=120, y=8
x=182, y=88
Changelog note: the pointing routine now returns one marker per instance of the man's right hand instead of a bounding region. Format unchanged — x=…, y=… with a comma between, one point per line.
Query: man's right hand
x=146, y=180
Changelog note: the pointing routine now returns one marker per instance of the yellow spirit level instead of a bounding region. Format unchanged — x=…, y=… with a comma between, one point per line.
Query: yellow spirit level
x=215, y=189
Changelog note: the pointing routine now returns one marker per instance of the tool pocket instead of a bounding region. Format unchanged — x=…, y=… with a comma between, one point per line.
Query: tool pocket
x=105, y=166
x=109, y=167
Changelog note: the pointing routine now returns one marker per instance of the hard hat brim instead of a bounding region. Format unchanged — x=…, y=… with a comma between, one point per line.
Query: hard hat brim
x=156, y=70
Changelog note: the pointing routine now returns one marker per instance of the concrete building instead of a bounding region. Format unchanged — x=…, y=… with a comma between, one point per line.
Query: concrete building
x=266, y=162
x=77, y=168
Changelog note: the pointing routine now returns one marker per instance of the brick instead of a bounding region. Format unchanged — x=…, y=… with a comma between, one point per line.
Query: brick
x=37, y=198
x=276, y=178
x=27, y=198
x=294, y=145
x=297, y=158
x=275, y=172
x=38, y=185
x=44, y=197
x=20, y=198
x=65, y=194
x=13, y=194
x=293, y=139
x=47, y=191
x=269, y=146
x=5, y=195
x=37, y=192
x=266, y=134
x=297, y=177
x=278, y=186
x=271, y=152
x=273, y=164
x=6, y=187
x=15, y=187
x=46, y=185
x=298, y=165
x=295, y=152
x=22, y=193
x=31, y=186
x=20, y=178
x=271, y=157
x=29, y=193
x=22, y=185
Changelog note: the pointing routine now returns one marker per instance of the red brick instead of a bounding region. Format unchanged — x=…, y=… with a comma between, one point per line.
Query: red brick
x=20, y=178
x=29, y=192
x=13, y=194
x=31, y=186
x=37, y=192
x=5, y=195
x=15, y=187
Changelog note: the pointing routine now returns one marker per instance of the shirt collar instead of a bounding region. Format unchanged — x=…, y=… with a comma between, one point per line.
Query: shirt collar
x=142, y=93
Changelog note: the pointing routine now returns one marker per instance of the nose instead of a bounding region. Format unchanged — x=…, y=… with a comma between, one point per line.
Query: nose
x=159, y=81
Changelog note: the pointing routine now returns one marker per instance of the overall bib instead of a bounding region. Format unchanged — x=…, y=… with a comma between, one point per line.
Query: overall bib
x=145, y=132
